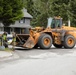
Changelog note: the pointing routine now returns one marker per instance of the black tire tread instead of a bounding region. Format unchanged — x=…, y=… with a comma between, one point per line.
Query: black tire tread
x=40, y=43
x=65, y=42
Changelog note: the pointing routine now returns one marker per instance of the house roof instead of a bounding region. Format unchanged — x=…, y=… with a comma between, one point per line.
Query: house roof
x=26, y=14
x=20, y=26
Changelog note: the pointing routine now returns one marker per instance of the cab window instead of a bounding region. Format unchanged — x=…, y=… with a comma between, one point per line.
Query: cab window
x=55, y=23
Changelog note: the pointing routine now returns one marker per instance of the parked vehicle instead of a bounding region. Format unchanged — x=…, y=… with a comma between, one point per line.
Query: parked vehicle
x=55, y=33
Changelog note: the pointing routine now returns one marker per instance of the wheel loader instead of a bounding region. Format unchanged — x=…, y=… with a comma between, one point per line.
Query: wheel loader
x=54, y=34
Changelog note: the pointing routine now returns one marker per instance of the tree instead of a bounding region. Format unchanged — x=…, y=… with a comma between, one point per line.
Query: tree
x=29, y=6
x=42, y=8
x=62, y=8
x=10, y=11
x=73, y=10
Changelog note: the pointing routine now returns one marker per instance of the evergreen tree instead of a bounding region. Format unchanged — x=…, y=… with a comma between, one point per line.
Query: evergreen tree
x=29, y=6
x=1, y=8
x=62, y=8
x=43, y=8
x=10, y=11
x=73, y=10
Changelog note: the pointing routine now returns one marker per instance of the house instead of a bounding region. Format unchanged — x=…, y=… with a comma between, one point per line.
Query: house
x=20, y=26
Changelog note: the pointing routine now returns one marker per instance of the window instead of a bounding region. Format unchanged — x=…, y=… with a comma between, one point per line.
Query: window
x=56, y=23
x=53, y=24
x=22, y=20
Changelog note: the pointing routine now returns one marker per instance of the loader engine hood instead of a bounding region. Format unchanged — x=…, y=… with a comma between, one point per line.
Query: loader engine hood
x=68, y=28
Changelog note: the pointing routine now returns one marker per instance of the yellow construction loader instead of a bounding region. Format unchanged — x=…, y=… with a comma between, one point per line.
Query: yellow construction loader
x=55, y=33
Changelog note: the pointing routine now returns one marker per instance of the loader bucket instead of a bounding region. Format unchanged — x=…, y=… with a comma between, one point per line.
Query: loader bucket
x=29, y=43
x=21, y=39
x=25, y=40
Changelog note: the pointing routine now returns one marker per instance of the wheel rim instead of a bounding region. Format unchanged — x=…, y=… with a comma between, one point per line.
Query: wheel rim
x=47, y=41
x=70, y=41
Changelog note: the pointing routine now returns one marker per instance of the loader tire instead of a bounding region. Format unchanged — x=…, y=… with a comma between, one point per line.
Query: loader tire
x=69, y=42
x=57, y=46
x=45, y=41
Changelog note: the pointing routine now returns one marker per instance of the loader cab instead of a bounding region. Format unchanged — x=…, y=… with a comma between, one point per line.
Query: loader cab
x=54, y=22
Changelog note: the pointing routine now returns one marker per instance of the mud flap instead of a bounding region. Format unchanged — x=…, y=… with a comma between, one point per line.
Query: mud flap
x=30, y=43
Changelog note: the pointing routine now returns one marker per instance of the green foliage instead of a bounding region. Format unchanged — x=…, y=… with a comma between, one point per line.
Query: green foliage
x=1, y=8
x=42, y=10
x=66, y=9
x=62, y=8
x=10, y=11
x=73, y=10
x=29, y=6
x=48, y=8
